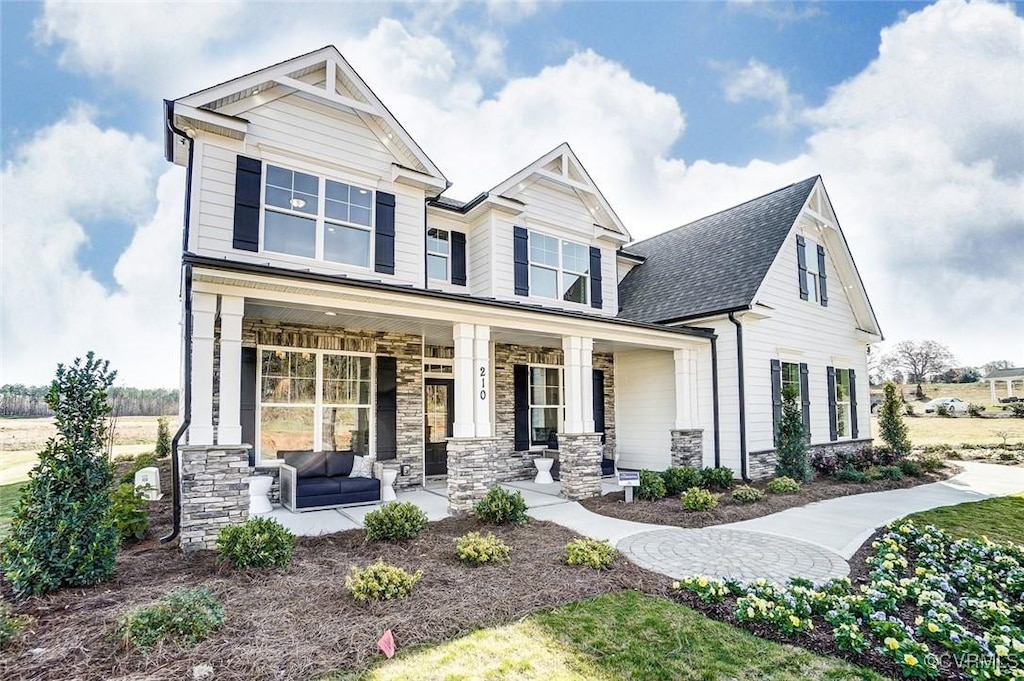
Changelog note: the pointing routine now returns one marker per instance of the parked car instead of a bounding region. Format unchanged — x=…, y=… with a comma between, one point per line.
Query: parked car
x=1009, y=400
x=954, y=404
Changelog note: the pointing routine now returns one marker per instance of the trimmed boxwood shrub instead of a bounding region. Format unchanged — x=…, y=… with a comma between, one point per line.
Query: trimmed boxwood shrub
x=395, y=521
x=889, y=473
x=850, y=474
x=256, y=543
x=745, y=494
x=183, y=616
x=478, y=549
x=590, y=552
x=698, y=499
x=678, y=480
x=783, y=485
x=380, y=582
x=652, y=486
x=501, y=507
x=716, y=478
x=911, y=468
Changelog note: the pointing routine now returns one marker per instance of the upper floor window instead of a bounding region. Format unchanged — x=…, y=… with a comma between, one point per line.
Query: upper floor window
x=559, y=269
x=811, y=258
x=811, y=266
x=438, y=254
x=313, y=217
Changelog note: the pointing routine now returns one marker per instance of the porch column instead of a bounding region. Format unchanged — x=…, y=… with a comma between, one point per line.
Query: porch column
x=587, y=383
x=229, y=424
x=572, y=348
x=1009, y=387
x=463, y=335
x=686, y=389
x=481, y=381
x=992, y=390
x=204, y=309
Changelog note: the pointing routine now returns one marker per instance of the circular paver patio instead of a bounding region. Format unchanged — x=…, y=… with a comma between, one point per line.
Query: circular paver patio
x=731, y=554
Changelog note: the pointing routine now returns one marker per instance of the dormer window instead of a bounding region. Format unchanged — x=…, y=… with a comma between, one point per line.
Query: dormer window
x=559, y=269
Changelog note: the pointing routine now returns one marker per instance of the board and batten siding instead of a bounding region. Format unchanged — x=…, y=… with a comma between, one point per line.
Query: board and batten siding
x=644, y=408
x=298, y=133
x=802, y=331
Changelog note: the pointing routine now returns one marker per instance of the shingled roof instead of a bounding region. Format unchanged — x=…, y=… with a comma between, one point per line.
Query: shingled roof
x=713, y=264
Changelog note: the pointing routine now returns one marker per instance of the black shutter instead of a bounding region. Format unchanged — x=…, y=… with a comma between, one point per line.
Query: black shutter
x=459, y=258
x=521, y=257
x=384, y=234
x=596, y=299
x=521, y=400
x=248, y=173
x=833, y=433
x=822, y=289
x=387, y=408
x=853, y=404
x=801, y=263
x=805, y=400
x=247, y=406
x=776, y=398
x=599, y=403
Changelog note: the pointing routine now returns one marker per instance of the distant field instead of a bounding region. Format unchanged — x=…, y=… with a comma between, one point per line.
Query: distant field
x=936, y=430
x=976, y=393
x=22, y=439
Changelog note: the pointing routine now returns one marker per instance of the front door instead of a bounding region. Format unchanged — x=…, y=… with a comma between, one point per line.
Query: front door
x=439, y=414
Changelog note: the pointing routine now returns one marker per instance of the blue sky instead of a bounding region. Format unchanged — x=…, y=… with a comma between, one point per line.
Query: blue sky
x=678, y=109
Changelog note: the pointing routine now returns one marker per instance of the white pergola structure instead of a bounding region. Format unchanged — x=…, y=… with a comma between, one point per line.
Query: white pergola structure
x=1009, y=376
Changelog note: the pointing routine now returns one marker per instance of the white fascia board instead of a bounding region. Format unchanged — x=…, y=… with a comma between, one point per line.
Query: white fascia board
x=415, y=178
x=210, y=121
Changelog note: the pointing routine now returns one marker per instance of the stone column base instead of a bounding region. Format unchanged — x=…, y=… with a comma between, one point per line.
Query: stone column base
x=688, y=448
x=473, y=466
x=579, y=465
x=214, y=492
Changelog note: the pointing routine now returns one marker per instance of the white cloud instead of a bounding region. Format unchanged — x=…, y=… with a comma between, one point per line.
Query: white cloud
x=760, y=82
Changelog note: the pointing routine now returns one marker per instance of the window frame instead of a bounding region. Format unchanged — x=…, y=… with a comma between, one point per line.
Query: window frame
x=319, y=218
x=560, y=270
x=437, y=254
x=560, y=407
x=318, y=404
x=840, y=404
x=783, y=382
x=811, y=263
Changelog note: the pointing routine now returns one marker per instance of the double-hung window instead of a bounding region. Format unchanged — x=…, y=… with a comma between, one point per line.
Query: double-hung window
x=313, y=400
x=438, y=254
x=559, y=269
x=313, y=217
x=842, y=403
x=545, y=403
x=791, y=380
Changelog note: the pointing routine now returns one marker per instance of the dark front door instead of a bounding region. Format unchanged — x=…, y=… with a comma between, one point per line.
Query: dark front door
x=438, y=416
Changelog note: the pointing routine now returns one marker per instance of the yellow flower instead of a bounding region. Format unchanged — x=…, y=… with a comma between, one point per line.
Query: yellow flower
x=918, y=620
x=1002, y=651
x=933, y=627
x=750, y=613
x=675, y=585
x=910, y=660
x=794, y=620
x=891, y=643
x=702, y=582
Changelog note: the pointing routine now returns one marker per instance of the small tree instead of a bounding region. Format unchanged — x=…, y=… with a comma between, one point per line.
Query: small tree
x=163, y=438
x=890, y=421
x=791, y=440
x=62, y=533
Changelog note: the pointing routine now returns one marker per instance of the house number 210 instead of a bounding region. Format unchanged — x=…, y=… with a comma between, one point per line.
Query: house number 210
x=483, y=383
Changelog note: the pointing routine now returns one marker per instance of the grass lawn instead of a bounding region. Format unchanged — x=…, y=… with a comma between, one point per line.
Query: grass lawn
x=625, y=635
x=1000, y=519
x=934, y=430
x=9, y=495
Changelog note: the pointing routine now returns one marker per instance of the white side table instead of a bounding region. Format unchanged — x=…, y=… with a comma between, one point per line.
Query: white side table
x=544, y=465
x=387, y=481
x=259, y=488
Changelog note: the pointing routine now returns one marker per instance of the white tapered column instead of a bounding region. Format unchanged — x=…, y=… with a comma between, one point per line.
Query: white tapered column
x=587, y=383
x=686, y=389
x=572, y=347
x=229, y=421
x=204, y=309
x=463, y=335
x=481, y=381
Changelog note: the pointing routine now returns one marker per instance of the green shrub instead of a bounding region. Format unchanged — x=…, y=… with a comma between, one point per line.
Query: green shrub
x=910, y=468
x=256, y=543
x=931, y=461
x=129, y=512
x=678, y=480
x=10, y=625
x=589, y=552
x=138, y=463
x=716, y=478
x=850, y=474
x=183, y=616
x=1018, y=409
x=890, y=420
x=944, y=410
x=975, y=410
x=745, y=494
x=163, y=438
x=698, y=499
x=652, y=486
x=783, y=485
x=478, y=549
x=395, y=521
x=501, y=507
x=62, y=533
x=889, y=473
x=791, y=439
x=380, y=582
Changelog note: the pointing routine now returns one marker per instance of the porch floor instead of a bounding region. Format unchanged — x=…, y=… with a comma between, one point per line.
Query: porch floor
x=432, y=498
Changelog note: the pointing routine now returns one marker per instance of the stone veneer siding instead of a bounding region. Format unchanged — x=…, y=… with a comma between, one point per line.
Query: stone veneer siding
x=214, y=492
x=473, y=466
x=761, y=465
x=405, y=348
x=579, y=460
x=515, y=465
x=688, y=448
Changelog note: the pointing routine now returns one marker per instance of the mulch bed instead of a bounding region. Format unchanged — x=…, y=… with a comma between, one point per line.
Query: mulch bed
x=668, y=511
x=302, y=622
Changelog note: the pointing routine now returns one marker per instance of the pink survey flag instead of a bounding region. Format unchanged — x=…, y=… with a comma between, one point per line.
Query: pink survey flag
x=387, y=644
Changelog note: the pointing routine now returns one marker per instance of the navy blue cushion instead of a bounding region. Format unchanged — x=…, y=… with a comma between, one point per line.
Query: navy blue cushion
x=350, y=485
x=317, y=486
x=339, y=463
x=306, y=464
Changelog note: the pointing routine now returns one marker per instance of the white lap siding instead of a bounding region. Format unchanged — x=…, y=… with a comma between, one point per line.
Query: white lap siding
x=644, y=408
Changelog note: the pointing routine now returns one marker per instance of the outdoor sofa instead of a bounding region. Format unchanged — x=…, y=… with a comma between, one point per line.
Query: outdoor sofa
x=316, y=480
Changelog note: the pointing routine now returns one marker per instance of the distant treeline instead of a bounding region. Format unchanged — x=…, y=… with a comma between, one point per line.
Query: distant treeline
x=30, y=401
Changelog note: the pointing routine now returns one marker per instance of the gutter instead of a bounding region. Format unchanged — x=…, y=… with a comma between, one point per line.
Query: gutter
x=714, y=400
x=742, y=397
